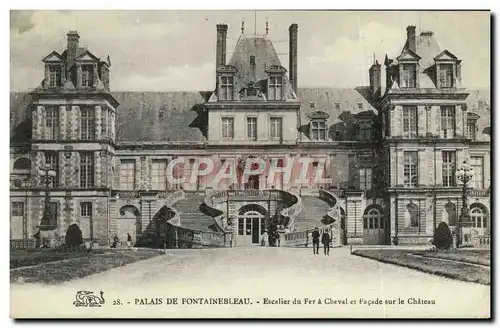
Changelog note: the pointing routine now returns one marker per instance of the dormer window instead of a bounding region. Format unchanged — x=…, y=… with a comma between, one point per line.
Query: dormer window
x=445, y=75
x=226, y=88
x=54, y=76
x=87, y=76
x=471, y=126
x=408, y=76
x=275, y=88
x=318, y=126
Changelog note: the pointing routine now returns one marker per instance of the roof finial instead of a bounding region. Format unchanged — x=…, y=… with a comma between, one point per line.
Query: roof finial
x=267, y=26
x=242, y=26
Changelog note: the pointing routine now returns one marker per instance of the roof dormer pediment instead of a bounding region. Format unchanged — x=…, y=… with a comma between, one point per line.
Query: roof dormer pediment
x=318, y=115
x=408, y=55
x=227, y=69
x=275, y=69
x=53, y=57
x=445, y=55
x=87, y=56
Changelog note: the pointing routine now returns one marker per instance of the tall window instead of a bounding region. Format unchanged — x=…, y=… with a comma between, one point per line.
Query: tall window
x=87, y=124
x=86, y=209
x=409, y=122
x=226, y=87
x=53, y=214
x=276, y=127
x=365, y=130
x=410, y=169
x=318, y=130
x=51, y=160
x=54, y=76
x=479, y=217
x=411, y=215
x=86, y=170
x=52, y=123
x=252, y=128
x=409, y=75
x=365, y=179
x=447, y=122
x=158, y=175
x=471, y=130
x=227, y=127
x=445, y=75
x=127, y=174
x=104, y=123
x=449, y=167
x=477, y=163
x=275, y=88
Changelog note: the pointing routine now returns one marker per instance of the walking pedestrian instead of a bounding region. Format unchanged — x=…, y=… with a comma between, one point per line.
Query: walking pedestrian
x=278, y=239
x=263, y=238
x=129, y=240
x=315, y=238
x=325, y=240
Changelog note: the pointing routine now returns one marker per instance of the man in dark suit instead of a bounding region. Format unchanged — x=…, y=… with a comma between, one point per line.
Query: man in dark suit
x=325, y=240
x=315, y=238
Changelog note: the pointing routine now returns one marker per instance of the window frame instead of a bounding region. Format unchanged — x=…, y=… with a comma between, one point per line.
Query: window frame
x=448, y=117
x=84, y=208
x=53, y=163
x=87, y=123
x=276, y=130
x=407, y=80
x=16, y=206
x=227, y=132
x=446, y=81
x=54, y=75
x=127, y=181
x=87, y=169
x=226, y=87
x=365, y=178
x=275, y=87
x=315, y=127
x=449, y=179
x=156, y=174
x=52, y=123
x=410, y=122
x=251, y=128
x=410, y=169
x=476, y=172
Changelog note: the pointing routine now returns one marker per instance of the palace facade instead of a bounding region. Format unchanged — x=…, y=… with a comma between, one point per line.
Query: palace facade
x=389, y=154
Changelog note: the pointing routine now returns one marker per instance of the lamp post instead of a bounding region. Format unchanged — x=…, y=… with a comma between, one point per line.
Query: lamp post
x=46, y=174
x=464, y=174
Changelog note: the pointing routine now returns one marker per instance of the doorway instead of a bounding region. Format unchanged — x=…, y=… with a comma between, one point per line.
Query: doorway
x=374, y=227
x=251, y=224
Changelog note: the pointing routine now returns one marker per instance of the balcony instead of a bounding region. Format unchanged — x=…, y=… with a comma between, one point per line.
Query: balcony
x=478, y=192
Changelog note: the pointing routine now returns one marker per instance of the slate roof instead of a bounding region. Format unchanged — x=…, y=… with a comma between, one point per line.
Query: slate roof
x=138, y=116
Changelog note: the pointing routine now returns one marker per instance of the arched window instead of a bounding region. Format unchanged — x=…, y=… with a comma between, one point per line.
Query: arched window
x=373, y=219
x=478, y=216
x=411, y=215
x=22, y=163
x=450, y=214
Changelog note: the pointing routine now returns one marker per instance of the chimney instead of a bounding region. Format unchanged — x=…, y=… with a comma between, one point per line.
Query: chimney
x=375, y=80
x=410, y=35
x=220, y=56
x=252, y=68
x=73, y=38
x=293, y=56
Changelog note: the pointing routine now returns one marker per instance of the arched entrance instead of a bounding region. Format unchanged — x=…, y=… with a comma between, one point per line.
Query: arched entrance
x=479, y=219
x=374, y=226
x=129, y=222
x=251, y=223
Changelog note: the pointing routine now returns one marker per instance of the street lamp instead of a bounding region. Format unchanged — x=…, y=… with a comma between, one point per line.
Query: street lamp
x=46, y=174
x=464, y=174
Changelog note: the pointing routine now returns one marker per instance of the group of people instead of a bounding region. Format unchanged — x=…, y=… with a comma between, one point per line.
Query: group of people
x=270, y=239
x=114, y=243
x=325, y=240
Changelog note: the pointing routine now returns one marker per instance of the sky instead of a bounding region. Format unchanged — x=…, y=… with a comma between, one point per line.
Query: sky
x=175, y=50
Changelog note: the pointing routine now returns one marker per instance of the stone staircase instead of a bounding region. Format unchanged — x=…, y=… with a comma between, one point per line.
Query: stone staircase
x=191, y=216
x=313, y=211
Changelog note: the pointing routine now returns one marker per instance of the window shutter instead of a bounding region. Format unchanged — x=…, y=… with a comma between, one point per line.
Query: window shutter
x=397, y=121
x=439, y=168
x=422, y=121
x=423, y=168
x=400, y=167
x=436, y=118
x=459, y=122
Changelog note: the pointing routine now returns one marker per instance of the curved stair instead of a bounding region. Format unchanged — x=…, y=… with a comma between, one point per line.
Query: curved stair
x=191, y=215
x=313, y=211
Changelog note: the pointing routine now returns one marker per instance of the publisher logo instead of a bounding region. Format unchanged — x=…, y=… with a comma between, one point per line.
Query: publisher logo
x=86, y=298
